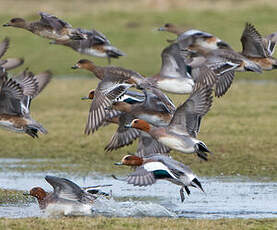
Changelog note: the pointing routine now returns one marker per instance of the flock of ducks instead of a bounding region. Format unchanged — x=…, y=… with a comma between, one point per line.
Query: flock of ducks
x=195, y=63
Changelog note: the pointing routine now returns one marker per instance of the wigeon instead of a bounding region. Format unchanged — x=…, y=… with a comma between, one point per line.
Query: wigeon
x=258, y=49
x=66, y=193
x=196, y=39
x=125, y=136
x=15, y=99
x=96, y=44
x=174, y=75
x=155, y=167
x=49, y=26
x=9, y=63
x=224, y=63
x=116, y=81
x=181, y=132
x=156, y=108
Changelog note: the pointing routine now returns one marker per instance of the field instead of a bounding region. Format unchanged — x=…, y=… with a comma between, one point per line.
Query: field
x=240, y=129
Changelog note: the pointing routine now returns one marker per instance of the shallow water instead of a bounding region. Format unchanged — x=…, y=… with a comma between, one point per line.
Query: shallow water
x=225, y=197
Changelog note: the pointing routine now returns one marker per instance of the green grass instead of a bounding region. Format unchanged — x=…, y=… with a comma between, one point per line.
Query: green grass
x=137, y=223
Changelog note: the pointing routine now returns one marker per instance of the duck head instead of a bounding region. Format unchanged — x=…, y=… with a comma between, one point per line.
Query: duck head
x=84, y=64
x=169, y=27
x=38, y=192
x=131, y=160
x=90, y=95
x=16, y=22
x=139, y=124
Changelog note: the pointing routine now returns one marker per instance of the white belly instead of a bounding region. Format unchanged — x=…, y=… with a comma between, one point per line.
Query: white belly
x=93, y=52
x=176, y=85
x=177, y=144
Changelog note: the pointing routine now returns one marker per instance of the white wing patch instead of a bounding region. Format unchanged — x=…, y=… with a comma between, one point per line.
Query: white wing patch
x=153, y=166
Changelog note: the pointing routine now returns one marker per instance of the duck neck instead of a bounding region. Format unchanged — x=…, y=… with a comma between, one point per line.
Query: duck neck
x=97, y=70
x=175, y=30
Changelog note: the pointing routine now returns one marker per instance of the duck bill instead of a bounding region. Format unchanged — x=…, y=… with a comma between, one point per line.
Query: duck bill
x=26, y=194
x=7, y=24
x=118, y=163
x=161, y=29
x=75, y=67
x=85, y=98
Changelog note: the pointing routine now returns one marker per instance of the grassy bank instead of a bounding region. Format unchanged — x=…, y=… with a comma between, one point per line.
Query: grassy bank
x=131, y=223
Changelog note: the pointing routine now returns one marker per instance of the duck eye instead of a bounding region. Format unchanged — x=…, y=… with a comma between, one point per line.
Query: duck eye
x=136, y=121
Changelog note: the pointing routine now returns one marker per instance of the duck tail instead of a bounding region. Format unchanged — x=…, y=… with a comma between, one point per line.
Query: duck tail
x=33, y=129
x=196, y=183
x=113, y=52
x=201, y=150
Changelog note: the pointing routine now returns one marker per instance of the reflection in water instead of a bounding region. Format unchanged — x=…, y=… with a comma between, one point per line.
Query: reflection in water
x=226, y=198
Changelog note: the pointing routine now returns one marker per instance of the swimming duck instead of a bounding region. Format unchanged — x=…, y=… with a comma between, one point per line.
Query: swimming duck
x=258, y=49
x=196, y=39
x=96, y=44
x=65, y=193
x=181, y=132
x=9, y=63
x=49, y=26
x=154, y=167
x=15, y=99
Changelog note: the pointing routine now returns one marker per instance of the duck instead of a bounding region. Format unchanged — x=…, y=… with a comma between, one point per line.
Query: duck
x=155, y=167
x=9, y=63
x=180, y=134
x=196, y=39
x=16, y=95
x=96, y=44
x=125, y=136
x=174, y=75
x=223, y=62
x=49, y=26
x=114, y=84
x=66, y=194
x=258, y=49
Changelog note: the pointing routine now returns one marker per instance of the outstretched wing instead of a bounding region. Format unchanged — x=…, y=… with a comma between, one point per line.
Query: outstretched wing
x=123, y=136
x=53, y=21
x=4, y=45
x=107, y=91
x=252, y=42
x=187, y=117
x=10, y=96
x=64, y=188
